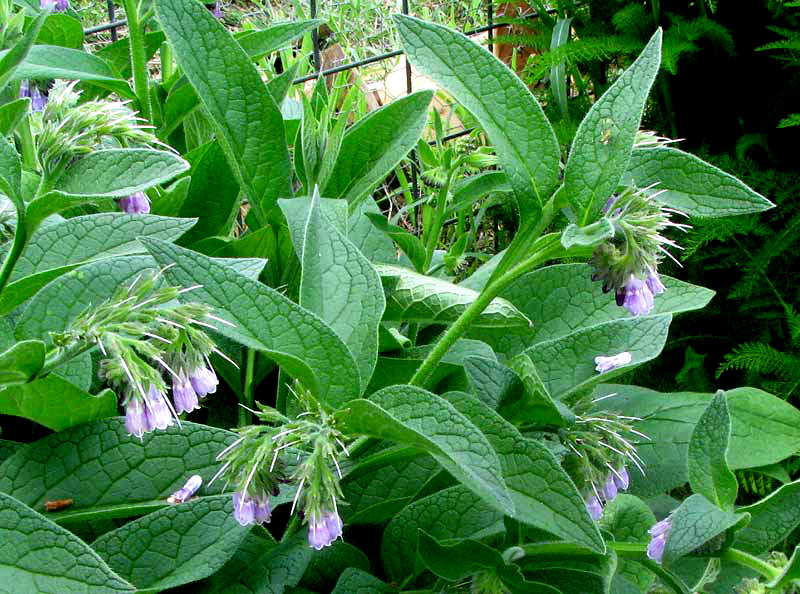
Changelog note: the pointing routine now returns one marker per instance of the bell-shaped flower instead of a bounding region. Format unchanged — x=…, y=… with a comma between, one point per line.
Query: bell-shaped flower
x=183, y=394
x=595, y=507
x=158, y=413
x=136, y=203
x=204, y=381
x=324, y=529
x=604, y=364
x=137, y=422
x=658, y=539
x=635, y=296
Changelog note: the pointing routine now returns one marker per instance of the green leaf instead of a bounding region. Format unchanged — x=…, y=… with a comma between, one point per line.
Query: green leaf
x=62, y=30
x=413, y=297
x=39, y=557
x=10, y=171
x=56, y=249
x=588, y=236
x=109, y=473
x=413, y=416
x=410, y=244
x=114, y=173
x=56, y=403
x=772, y=520
x=248, y=122
x=668, y=419
x=51, y=61
x=7, y=448
x=604, y=140
x=535, y=404
x=693, y=186
x=512, y=118
x=21, y=362
x=12, y=113
x=258, y=44
x=709, y=474
x=11, y=59
x=79, y=371
x=176, y=545
x=543, y=494
x=355, y=581
x=628, y=519
x=295, y=338
x=695, y=522
x=468, y=190
x=492, y=382
x=374, y=146
x=381, y=485
x=453, y=513
x=118, y=53
x=328, y=564
x=558, y=72
x=340, y=285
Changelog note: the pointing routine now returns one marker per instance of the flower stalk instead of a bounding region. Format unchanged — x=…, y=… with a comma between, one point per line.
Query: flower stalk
x=138, y=58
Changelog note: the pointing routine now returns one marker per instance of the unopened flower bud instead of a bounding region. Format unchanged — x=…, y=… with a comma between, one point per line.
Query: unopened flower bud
x=136, y=203
x=187, y=491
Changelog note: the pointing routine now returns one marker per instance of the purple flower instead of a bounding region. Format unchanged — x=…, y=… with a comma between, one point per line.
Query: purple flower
x=136, y=421
x=604, y=364
x=635, y=296
x=658, y=539
x=158, y=413
x=54, y=5
x=594, y=507
x=188, y=490
x=622, y=479
x=244, y=509
x=38, y=99
x=323, y=530
x=183, y=395
x=654, y=283
x=263, y=511
x=204, y=381
x=217, y=10
x=135, y=204
x=610, y=488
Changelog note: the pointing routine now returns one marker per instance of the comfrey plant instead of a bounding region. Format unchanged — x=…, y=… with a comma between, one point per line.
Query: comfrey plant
x=452, y=436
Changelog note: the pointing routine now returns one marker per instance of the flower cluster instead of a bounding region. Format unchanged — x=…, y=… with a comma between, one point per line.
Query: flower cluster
x=628, y=262
x=144, y=335
x=658, y=539
x=258, y=462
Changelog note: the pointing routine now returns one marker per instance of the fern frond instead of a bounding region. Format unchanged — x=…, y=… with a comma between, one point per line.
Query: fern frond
x=793, y=119
x=633, y=21
x=762, y=358
x=755, y=483
x=706, y=231
x=580, y=51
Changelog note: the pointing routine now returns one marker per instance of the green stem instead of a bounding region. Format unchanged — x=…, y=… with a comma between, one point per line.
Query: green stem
x=751, y=561
x=61, y=355
x=138, y=59
x=462, y=324
x=20, y=238
x=27, y=145
x=438, y=218
x=167, y=67
x=247, y=391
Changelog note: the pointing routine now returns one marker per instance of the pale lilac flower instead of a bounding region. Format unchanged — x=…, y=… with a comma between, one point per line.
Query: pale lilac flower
x=244, y=509
x=322, y=531
x=38, y=99
x=54, y=5
x=610, y=488
x=136, y=421
x=635, y=296
x=604, y=364
x=158, y=413
x=188, y=490
x=594, y=507
x=204, y=381
x=654, y=283
x=217, y=10
x=622, y=479
x=183, y=395
x=263, y=510
x=658, y=539
x=136, y=203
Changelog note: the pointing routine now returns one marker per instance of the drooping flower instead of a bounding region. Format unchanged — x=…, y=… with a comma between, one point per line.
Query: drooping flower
x=54, y=5
x=158, y=414
x=610, y=488
x=635, y=296
x=654, y=283
x=204, y=381
x=187, y=491
x=251, y=510
x=263, y=512
x=29, y=89
x=136, y=203
x=183, y=394
x=216, y=10
x=658, y=539
x=595, y=507
x=324, y=529
x=137, y=422
x=604, y=364
x=622, y=479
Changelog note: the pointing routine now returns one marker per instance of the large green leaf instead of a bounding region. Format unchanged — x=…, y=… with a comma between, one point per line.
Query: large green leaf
x=412, y=416
x=340, y=285
x=562, y=300
x=695, y=522
x=176, y=545
x=669, y=419
x=20, y=362
x=603, y=143
x=355, y=581
x=453, y=513
x=56, y=403
x=62, y=30
x=374, y=146
x=11, y=114
x=414, y=297
x=51, y=61
x=38, y=557
x=11, y=59
x=628, y=518
x=259, y=43
x=772, y=520
x=692, y=185
x=517, y=127
x=543, y=494
x=265, y=320
x=247, y=119
x=328, y=564
x=709, y=474
x=588, y=574
x=109, y=473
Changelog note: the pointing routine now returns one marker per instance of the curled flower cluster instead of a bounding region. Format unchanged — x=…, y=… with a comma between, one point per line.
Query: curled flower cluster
x=628, y=262
x=256, y=463
x=142, y=337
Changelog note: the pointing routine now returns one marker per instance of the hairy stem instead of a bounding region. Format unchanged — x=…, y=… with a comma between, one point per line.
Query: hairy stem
x=138, y=58
x=247, y=391
x=18, y=244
